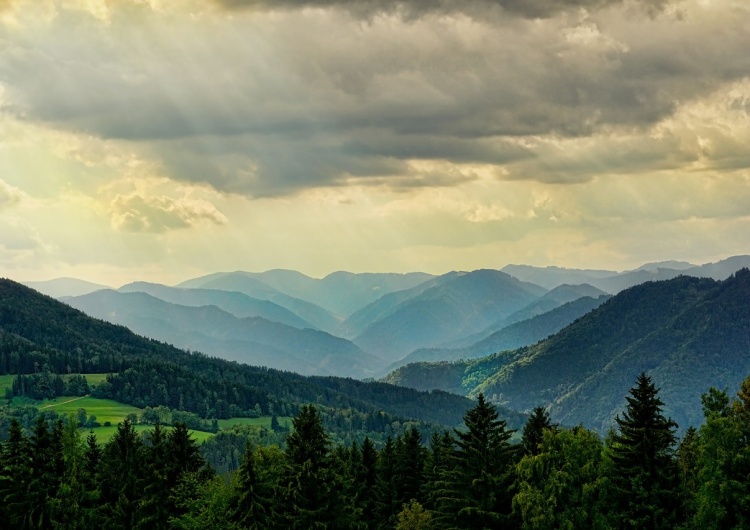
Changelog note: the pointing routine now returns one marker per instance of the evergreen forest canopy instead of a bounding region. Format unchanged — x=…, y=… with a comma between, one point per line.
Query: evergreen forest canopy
x=470, y=478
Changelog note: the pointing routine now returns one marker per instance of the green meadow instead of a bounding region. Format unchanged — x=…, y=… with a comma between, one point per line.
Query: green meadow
x=114, y=412
x=6, y=381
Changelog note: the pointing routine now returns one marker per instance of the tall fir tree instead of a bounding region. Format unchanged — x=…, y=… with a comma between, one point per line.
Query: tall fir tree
x=251, y=509
x=478, y=491
x=533, y=431
x=644, y=471
x=15, y=475
x=121, y=478
x=309, y=502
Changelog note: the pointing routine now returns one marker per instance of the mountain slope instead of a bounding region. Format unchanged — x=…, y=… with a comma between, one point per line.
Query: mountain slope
x=512, y=337
x=242, y=283
x=613, y=282
x=463, y=305
x=252, y=340
x=557, y=297
x=65, y=287
x=340, y=293
x=687, y=333
x=238, y=304
x=38, y=330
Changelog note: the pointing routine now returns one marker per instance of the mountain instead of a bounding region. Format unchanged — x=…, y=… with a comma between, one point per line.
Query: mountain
x=512, y=337
x=463, y=304
x=551, y=277
x=614, y=282
x=65, y=287
x=251, y=340
x=551, y=300
x=341, y=293
x=240, y=282
x=39, y=331
x=671, y=264
x=687, y=333
x=238, y=304
x=384, y=306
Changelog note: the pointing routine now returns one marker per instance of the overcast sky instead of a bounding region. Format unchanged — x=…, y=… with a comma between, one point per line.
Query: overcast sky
x=163, y=139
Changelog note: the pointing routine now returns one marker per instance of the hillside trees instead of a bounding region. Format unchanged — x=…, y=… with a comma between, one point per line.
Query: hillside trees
x=643, y=473
x=478, y=481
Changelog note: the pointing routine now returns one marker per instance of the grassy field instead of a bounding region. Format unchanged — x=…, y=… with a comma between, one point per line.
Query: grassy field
x=104, y=409
x=114, y=412
x=6, y=381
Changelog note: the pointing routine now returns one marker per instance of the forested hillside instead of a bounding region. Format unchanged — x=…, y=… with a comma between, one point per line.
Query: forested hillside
x=44, y=338
x=475, y=476
x=689, y=333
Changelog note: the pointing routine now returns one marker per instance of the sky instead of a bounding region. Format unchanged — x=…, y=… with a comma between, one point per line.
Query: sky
x=160, y=140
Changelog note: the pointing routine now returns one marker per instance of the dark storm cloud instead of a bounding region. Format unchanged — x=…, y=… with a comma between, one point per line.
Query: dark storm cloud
x=411, y=9
x=269, y=105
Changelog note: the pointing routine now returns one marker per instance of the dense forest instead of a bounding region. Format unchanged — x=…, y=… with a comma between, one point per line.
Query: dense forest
x=43, y=341
x=688, y=333
x=640, y=476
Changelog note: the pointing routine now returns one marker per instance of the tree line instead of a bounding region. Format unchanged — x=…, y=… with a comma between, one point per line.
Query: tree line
x=476, y=477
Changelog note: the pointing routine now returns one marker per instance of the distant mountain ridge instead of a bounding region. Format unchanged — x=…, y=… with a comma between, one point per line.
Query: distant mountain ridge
x=252, y=340
x=514, y=336
x=459, y=306
x=238, y=304
x=341, y=293
x=688, y=333
x=613, y=282
x=35, y=328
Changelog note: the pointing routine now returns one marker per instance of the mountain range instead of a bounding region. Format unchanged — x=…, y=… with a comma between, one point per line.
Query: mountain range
x=688, y=333
x=522, y=335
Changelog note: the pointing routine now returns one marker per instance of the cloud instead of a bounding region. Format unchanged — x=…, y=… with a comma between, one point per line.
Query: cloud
x=136, y=213
x=267, y=103
x=9, y=195
x=411, y=9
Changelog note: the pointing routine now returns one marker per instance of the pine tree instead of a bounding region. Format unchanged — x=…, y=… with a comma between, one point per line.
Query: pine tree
x=69, y=505
x=15, y=475
x=386, y=508
x=410, y=460
x=155, y=504
x=478, y=485
x=44, y=479
x=121, y=478
x=251, y=507
x=309, y=499
x=533, y=431
x=368, y=480
x=644, y=470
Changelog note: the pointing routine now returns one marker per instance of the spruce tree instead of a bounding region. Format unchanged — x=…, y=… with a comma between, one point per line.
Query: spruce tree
x=121, y=478
x=155, y=505
x=15, y=474
x=478, y=485
x=251, y=506
x=644, y=468
x=309, y=499
x=533, y=431
x=410, y=461
x=386, y=503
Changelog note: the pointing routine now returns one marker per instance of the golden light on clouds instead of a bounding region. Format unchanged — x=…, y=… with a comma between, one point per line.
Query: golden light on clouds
x=153, y=139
